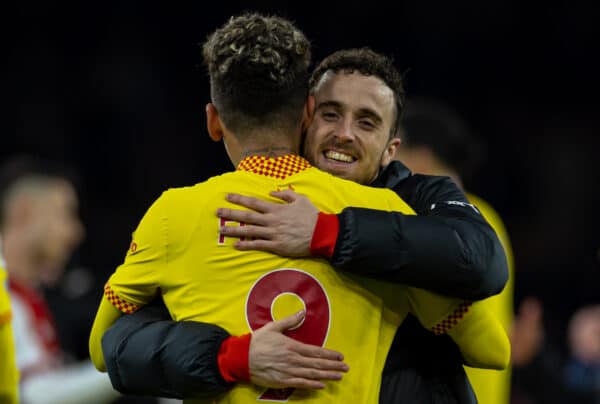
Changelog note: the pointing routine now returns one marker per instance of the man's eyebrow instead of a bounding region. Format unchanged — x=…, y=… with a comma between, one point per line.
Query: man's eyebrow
x=368, y=112
x=329, y=103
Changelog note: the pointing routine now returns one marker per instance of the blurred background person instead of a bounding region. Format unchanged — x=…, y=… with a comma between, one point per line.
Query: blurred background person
x=542, y=373
x=582, y=370
x=40, y=229
x=127, y=77
x=436, y=141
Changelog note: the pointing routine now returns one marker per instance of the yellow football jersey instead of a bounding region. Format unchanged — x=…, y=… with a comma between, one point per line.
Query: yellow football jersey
x=9, y=375
x=177, y=252
x=493, y=386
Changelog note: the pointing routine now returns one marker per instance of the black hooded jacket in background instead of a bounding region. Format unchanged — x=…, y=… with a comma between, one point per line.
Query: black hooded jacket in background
x=447, y=248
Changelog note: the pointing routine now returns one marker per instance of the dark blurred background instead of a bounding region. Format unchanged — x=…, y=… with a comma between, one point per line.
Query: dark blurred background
x=117, y=90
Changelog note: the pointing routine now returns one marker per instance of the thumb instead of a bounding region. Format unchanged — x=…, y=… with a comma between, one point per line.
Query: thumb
x=288, y=322
x=287, y=195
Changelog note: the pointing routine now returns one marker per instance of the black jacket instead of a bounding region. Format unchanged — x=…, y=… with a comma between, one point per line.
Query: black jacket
x=448, y=248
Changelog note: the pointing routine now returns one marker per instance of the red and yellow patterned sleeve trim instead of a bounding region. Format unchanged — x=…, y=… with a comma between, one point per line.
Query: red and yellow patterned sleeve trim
x=445, y=325
x=5, y=317
x=121, y=305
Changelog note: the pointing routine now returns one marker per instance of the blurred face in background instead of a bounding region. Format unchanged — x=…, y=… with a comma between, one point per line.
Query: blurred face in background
x=54, y=229
x=349, y=136
x=584, y=334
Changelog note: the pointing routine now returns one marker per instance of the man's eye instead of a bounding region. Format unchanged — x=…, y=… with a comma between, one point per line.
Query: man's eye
x=328, y=115
x=367, y=124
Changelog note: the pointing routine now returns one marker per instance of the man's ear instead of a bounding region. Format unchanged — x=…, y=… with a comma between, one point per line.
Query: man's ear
x=213, y=123
x=390, y=151
x=308, y=113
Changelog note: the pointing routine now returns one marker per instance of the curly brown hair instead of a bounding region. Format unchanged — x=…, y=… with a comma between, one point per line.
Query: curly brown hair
x=258, y=68
x=367, y=62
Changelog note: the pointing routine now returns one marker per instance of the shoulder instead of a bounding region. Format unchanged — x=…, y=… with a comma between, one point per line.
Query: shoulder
x=436, y=185
x=358, y=195
x=424, y=192
x=490, y=214
x=485, y=208
x=199, y=191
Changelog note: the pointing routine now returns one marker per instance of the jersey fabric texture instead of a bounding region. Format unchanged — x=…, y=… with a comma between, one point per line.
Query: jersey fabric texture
x=494, y=386
x=177, y=253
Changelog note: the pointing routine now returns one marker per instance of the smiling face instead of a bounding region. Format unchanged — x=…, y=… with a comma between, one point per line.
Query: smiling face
x=349, y=136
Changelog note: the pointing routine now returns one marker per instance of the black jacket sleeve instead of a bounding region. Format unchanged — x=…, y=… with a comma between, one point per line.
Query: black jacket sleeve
x=448, y=248
x=146, y=353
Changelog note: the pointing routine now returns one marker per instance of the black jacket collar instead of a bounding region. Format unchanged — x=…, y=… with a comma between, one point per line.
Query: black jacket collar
x=391, y=175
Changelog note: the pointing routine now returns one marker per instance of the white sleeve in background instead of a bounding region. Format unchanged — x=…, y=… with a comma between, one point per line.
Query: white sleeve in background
x=27, y=347
x=73, y=384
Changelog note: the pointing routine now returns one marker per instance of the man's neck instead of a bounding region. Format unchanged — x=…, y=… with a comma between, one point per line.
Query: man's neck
x=268, y=151
x=261, y=141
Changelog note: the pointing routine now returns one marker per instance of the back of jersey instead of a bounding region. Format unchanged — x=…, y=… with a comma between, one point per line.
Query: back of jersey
x=203, y=278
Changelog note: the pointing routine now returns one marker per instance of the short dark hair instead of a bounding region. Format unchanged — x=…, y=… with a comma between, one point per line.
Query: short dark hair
x=258, y=67
x=370, y=63
x=434, y=124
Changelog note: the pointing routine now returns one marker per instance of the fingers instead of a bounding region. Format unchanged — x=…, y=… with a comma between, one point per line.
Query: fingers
x=246, y=231
x=314, y=374
x=258, y=205
x=245, y=216
x=313, y=351
x=279, y=361
x=288, y=322
x=331, y=367
x=258, y=245
x=287, y=195
x=300, y=383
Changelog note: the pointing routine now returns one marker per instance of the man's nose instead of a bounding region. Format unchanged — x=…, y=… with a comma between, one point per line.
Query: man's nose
x=344, y=131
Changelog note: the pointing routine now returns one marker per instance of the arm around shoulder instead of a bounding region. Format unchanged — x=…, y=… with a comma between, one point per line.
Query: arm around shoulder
x=448, y=248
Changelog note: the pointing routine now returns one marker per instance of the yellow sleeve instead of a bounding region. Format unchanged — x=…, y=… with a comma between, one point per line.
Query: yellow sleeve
x=105, y=317
x=136, y=281
x=9, y=375
x=480, y=337
x=491, y=386
x=502, y=304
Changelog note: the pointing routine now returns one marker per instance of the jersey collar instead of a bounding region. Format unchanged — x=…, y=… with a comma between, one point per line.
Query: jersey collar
x=277, y=167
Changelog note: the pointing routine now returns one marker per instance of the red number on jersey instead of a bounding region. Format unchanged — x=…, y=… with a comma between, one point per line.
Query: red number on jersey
x=314, y=328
